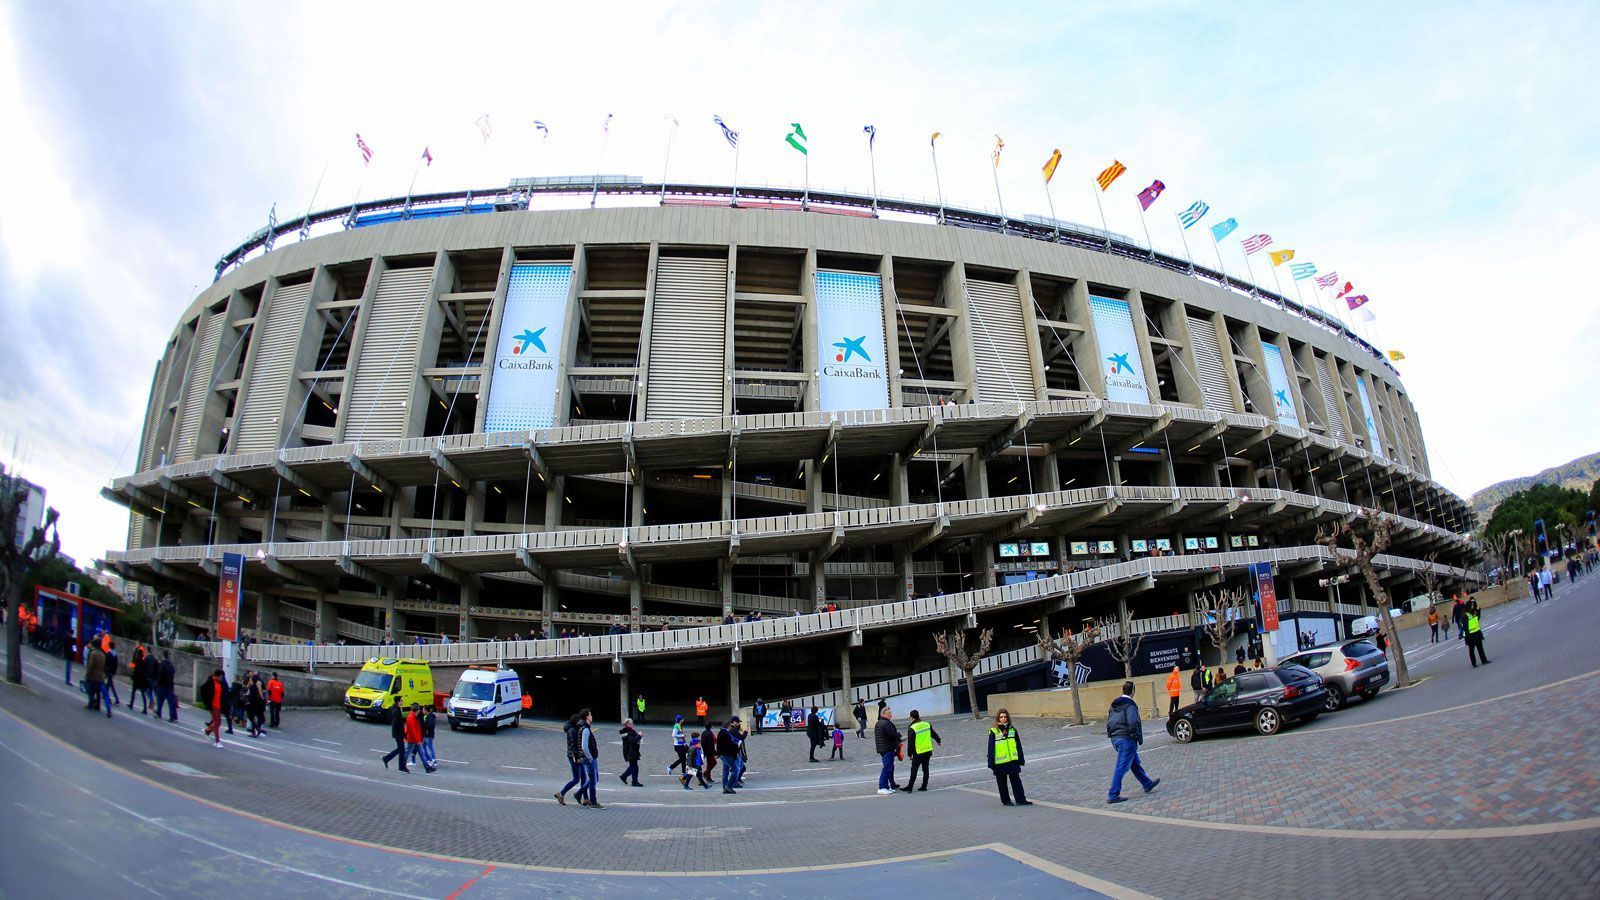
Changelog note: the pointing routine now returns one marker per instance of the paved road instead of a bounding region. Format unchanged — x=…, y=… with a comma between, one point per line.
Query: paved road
x=1497, y=766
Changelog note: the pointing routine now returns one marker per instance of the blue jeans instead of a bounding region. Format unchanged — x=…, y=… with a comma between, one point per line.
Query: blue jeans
x=738, y=772
x=577, y=777
x=69, y=670
x=105, y=694
x=730, y=768
x=886, y=777
x=591, y=778
x=165, y=696
x=1127, y=760
x=424, y=751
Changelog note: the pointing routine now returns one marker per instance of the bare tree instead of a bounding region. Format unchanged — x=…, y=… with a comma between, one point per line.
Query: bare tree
x=1069, y=649
x=1124, y=645
x=1221, y=615
x=953, y=647
x=158, y=607
x=1367, y=546
x=20, y=556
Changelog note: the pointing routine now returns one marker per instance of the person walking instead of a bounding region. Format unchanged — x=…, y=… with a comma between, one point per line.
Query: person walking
x=1174, y=691
x=728, y=750
x=838, y=743
x=69, y=649
x=638, y=709
x=575, y=760
x=255, y=704
x=152, y=672
x=166, y=689
x=275, y=698
x=136, y=681
x=708, y=747
x=94, y=673
x=886, y=740
x=680, y=744
x=397, y=731
x=589, y=746
x=215, y=696
x=1197, y=681
x=1475, y=636
x=923, y=738
x=702, y=709
x=785, y=712
x=630, y=751
x=1433, y=625
x=1458, y=614
x=742, y=761
x=813, y=732
x=430, y=761
x=112, y=667
x=1126, y=733
x=759, y=713
x=697, y=758
x=860, y=714
x=1006, y=760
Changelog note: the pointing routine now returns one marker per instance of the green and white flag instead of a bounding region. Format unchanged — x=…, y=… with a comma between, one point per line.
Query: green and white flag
x=797, y=138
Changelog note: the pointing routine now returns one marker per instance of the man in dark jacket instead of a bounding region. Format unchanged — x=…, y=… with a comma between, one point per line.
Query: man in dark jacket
x=759, y=713
x=728, y=750
x=814, y=732
x=630, y=753
x=886, y=740
x=922, y=737
x=166, y=691
x=94, y=678
x=397, y=730
x=860, y=714
x=708, y=747
x=1126, y=733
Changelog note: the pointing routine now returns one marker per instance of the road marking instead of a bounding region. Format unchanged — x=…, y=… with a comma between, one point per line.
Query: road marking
x=321, y=741
x=523, y=768
x=178, y=768
x=454, y=895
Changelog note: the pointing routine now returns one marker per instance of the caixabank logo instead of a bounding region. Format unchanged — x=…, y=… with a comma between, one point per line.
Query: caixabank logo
x=851, y=348
x=1281, y=400
x=1122, y=373
x=522, y=358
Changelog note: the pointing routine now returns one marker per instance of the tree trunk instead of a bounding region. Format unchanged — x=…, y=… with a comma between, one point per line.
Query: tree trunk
x=1077, y=703
x=1402, y=675
x=13, y=633
x=972, y=694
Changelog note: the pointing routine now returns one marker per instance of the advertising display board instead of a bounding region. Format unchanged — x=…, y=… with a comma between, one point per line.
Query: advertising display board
x=228, y=590
x=852, y=365
x=1278, y=378
x=1375, y=440
x=1119, y=350
x=525, y=387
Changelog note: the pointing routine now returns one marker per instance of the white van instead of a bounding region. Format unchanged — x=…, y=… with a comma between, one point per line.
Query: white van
x=485, y=697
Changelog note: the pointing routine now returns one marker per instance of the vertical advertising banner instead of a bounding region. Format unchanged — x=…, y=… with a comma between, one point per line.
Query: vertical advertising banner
x=1119, y=350
x=1374, y=439
x=1267, y=593
x=527, y=361
x=852, y=365
x=1278, y=378
x=228, y=589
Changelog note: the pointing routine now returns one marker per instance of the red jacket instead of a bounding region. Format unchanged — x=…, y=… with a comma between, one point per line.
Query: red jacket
x=275, y=691
x=413, y=729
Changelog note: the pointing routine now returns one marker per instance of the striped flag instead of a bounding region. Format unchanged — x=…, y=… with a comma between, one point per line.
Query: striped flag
x=1050, y=165
x=1302, y=271
x=1109, y=174
x=366, y=152
x=728, y=134
x=1149, y=194
x=1356, y=301
x=796, y=138
x=872, y=134
x=426, y=156
x=1256, y=242
x=1328, y=280
x=1196, y=211
x=1279, y=257
x=999, y=144
x=1223, y=229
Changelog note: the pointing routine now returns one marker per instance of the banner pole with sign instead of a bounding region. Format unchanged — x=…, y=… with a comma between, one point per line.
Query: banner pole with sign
x=1267, y=595
x=230, y=586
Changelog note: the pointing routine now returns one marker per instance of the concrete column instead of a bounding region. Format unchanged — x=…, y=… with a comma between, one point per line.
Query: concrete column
x=725, y=583
x=327, y=620
x=733, y=688
x=819, y=583
x=469, y=599
x=845, y=690
x=391, y=624
x=899, y=481
x=904, y=576
x=551, y=600
x=635, y=602
x=622, y=691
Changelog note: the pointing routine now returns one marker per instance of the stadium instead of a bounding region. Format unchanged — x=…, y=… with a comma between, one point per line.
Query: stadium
x=753, y=442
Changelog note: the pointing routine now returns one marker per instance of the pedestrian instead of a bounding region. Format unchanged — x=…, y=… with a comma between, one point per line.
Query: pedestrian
x=696, y=758
x=430, y=761
x=759, y=713
x=397, y=731
x=167, y=693
x=923, y=737
x=630, y=751
x=702, y=709
x=638, y=709
x=1433, y=625
x=1382, y=641
x=1006, y=759
x=708, y=746
x=886, y=740
x=575, y=760
x=589, y=746
x=94, y=679
x=680, y=745
x=1475, y=636
x=860, y=713
x=136, y=680
x=275, y=698
x=728, y=750
x=1458, y=614
x=1126, y=733
x=1198, y=681
x=1239, y=655
x=1174, y=690
x=255, y=703
x=785, y=711
x=152, y=672
x=233, y=704
x=215, y=697
x=742, y=732
x=838, y=742
x=69, y=649
x=110, y=682
x=814, y=732
x=1546, y=584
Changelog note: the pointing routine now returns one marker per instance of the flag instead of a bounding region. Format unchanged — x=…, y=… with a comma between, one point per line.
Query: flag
x=1302, y=271
x=1396, y=355
x=1111, y=173
x=1223, y=229
x=1348, y=287
x=1279, y=257
x=999, y=145
x=483, y=127
x=1328, y=280
x=1356, y=301
x=797, y=138
x=872, y=134
x=1196, y=211
x=1368, y=315
x=543, y=128
x=1050, y=165
x=932, y=139
x=1149, y=194
x=607, y=126
x=366, y=152
x=426, y=156
x=728, y=134
x=1256, y=242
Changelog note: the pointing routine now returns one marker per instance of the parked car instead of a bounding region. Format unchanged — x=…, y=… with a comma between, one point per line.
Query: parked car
x=1265, y=700
x=1348, y=668
x=1363, y=626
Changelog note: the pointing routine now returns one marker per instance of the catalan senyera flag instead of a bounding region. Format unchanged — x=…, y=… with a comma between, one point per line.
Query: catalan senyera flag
x=1109, y=174
x=1279, y=257
x=1050, y=165
x=1396, y=355
x=999, y=144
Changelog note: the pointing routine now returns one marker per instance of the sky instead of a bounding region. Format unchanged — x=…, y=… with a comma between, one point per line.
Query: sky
x=1441, y=156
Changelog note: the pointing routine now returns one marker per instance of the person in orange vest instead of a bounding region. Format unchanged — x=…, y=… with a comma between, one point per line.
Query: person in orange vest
x=702, y=709
x=274, y=698
x=1174, y=688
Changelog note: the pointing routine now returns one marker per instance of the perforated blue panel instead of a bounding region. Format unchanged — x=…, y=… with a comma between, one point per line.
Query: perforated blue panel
x=852, y=365
x=527, y=363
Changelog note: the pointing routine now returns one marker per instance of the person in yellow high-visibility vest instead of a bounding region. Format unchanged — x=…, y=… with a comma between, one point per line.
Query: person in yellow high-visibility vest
x=1006, y=759
x=1474, y=633
x=922, y=738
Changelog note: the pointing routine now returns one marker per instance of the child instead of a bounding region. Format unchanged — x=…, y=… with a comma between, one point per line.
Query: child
x=697, y=758
x=838, y=743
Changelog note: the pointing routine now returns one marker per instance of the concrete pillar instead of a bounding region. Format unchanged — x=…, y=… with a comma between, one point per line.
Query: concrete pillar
x=982, y=564
x=904, y=573
x=635, y=602
x=391, y=623
x=733, y=687
x=622, y=690
x=899, y=481
x=327, y=620
x=725, y=584
x=469, y=599
x=551, y=600
x=845, y=690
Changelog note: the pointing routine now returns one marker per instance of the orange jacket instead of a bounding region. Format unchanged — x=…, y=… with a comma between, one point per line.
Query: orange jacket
x=701, y=707
x=1174, y=685
x=413, y=729
x=275, y=691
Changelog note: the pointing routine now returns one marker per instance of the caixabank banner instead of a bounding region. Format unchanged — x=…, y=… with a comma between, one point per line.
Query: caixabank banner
x=1119, y=350
x=852, y=366
x=1278, y=378
x=524, y=389
x=1375, y=442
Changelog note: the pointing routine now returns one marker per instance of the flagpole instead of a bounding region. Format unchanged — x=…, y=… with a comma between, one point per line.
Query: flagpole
x=1146, y=225
x=405, y=211
x=599, y=163
x=1254, y=290
x=667, y=161
x=872, y=163
x=735, y=200
x=995, y=171
x=933, y=148
x=805, y=198
x=1055, y=224
x=1276, y=282
x=1184, y=236
x=305, y=224
x=1220, y=264
x=1098, y=205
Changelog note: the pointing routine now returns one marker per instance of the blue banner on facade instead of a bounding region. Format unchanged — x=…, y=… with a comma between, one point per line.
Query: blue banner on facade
x=1278, y=378
x=852, y=364
x=1374, y=440
x=1119, y=350
x=526, y=383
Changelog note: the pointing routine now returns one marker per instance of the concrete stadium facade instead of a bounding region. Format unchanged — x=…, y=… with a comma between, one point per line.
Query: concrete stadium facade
x=489, y=426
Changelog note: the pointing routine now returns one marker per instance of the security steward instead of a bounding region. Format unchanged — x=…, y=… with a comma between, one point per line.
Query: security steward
x=1475, y=652
x=923, y=737
x=1174, y=688
x=1006, y=759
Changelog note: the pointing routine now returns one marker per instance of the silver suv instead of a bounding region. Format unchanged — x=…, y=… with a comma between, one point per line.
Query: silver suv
x=1350, y=667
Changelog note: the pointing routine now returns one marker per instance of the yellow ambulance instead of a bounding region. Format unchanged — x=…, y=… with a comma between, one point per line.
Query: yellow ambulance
x=383, y=682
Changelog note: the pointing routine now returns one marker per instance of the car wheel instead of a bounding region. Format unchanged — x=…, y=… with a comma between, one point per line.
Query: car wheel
x=352, y=716
x=1335, y=699
x=1268, y=721
x=1368, y=695
x=494, y=726
x=516, y=721
x=454, y=726
x=1183, y=731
